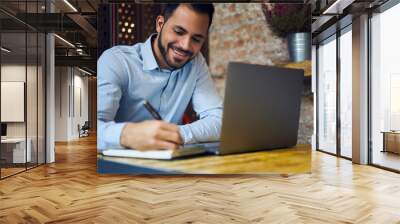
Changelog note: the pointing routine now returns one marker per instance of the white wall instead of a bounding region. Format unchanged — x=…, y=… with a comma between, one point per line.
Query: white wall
x=12, y=73
x=80, y=110
x=61, y=103
x=71, y=94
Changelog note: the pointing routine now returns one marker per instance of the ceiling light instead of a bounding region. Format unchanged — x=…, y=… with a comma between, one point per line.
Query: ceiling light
x=5, y=50
x=70, y=5
x=65, y=41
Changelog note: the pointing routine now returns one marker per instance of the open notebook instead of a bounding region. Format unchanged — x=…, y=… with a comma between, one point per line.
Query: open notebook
x=186, y=150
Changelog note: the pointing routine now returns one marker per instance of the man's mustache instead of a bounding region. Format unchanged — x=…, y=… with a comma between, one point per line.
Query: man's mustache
x=188, y=53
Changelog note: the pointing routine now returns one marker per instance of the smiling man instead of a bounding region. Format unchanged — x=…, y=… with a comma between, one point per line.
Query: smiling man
x=167, y=70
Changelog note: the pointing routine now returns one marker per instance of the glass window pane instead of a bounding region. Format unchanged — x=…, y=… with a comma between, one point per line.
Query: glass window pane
x=327, y=96
x=385, y=88
x=23, y=85
x=346, y=94
x=14, y=153
x=31, y=96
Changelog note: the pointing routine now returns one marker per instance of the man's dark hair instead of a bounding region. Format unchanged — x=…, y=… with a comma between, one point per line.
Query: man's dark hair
x=206, y=8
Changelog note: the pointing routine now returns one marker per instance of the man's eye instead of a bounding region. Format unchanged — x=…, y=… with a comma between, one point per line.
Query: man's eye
x=179, y=32
x=196, y=40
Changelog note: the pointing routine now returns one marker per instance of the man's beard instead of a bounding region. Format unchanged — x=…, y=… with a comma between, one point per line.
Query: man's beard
x=163, y=52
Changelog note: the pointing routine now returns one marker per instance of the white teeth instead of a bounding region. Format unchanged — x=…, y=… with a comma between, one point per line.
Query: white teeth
x=179, y=53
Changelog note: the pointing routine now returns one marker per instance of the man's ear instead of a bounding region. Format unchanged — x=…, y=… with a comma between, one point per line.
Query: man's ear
x=159, y=23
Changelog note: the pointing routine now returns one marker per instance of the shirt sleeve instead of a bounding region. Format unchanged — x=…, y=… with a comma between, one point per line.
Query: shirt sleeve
x=208, y=105
x=109, y=91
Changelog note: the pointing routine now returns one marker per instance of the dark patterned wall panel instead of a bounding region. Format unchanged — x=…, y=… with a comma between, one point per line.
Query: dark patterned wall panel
x=135, y=22
x=126, y=23
x=148, y=19
x=104, y=28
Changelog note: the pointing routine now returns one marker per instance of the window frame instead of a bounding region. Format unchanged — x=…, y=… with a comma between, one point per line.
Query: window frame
x=336, y=30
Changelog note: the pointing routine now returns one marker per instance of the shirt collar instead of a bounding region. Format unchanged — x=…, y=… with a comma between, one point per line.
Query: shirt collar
x=149, y=60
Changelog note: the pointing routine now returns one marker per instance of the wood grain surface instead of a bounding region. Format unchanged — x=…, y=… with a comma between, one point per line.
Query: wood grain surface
x=279, y=161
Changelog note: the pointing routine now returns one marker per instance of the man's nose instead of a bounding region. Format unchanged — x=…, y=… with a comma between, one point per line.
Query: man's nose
x=185, y=43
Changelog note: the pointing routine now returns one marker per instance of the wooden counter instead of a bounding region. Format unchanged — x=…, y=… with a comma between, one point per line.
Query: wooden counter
x=279, y=161
x=305, y=65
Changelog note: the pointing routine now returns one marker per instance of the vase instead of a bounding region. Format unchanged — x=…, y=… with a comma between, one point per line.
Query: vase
x=299, y=46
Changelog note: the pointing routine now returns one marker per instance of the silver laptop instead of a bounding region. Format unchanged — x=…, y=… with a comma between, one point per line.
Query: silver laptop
x=261, y=111
x=261, y=108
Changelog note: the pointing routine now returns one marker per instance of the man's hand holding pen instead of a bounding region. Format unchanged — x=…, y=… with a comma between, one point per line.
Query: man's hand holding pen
x=150, y=135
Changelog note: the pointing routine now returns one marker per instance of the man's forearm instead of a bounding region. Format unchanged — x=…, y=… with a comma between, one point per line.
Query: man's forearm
x=108, y=135
x=203, y=130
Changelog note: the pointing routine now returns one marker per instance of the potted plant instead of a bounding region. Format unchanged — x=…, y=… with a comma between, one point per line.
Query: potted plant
x=291, y=21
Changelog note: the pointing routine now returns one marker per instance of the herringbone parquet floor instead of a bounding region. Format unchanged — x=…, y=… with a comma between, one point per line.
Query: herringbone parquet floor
x=70, y=191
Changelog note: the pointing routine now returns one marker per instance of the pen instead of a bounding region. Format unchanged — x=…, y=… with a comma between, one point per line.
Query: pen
x=151, y=109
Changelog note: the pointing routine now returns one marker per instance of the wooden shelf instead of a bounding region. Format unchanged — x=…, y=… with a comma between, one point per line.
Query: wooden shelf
x=305, y=65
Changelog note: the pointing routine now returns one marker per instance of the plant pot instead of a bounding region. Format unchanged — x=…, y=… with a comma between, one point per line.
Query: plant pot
x=299, y=46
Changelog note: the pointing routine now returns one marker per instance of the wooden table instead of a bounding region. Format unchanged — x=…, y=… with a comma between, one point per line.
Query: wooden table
x=279, y=161
x=391, y=141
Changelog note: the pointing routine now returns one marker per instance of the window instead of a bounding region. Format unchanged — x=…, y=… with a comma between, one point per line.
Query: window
x=346, y=92
x=327, y=95
x=385, y=87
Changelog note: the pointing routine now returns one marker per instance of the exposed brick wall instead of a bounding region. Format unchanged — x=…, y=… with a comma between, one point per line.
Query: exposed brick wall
x=240, y=33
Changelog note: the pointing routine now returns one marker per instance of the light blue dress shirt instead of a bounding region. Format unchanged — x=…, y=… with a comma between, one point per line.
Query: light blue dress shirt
x=128, y=74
